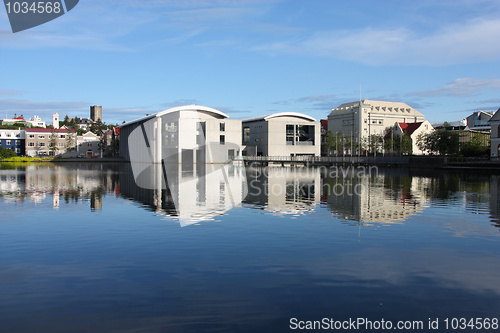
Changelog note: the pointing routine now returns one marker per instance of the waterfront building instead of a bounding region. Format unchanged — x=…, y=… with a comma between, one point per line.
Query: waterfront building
x=39, y=140
x=362, y=119
x=13, y=139
x=282, y=134
x=479, y=121
x=187, y=134
x=88, y=145
x=413, y=130
x=495, y=134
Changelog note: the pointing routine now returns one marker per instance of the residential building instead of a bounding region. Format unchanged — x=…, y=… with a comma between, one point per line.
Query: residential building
x=413, y=130
x=479, y=121
x=362, y=119
x=495, y=134
x=16, y=120
x=187, y=134
x=36, y=121
x=88, y=145
x=13, y=139
x=84, y=123
x=39, y=142
x=282, y=134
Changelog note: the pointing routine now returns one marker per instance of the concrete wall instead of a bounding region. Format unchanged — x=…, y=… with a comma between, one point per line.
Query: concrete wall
x=269, y=136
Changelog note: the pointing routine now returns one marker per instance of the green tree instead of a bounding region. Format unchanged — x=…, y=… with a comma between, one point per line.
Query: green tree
x=53, y=143
x=6, y=153
x=70, y=141
x=440, y=142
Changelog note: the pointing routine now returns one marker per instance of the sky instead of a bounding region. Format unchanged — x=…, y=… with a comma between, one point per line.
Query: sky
x=254, y=57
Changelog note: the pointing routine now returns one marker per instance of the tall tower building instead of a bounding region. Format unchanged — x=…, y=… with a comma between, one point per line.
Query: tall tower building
x=95, y=112
x=55, y=120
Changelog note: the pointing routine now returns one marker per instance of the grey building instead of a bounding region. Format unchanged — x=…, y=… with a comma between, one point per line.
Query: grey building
x=282, y=134
x=95, y=112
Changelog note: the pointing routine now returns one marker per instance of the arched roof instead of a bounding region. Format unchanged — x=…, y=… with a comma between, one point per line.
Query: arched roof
x=193, y=107
x=281, y=114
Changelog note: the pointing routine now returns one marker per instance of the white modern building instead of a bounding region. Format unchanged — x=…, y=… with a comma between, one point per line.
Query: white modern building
x=187, y=134
x=282, y=134
x=362, y=119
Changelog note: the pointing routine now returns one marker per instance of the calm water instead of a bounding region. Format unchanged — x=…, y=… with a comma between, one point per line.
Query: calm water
x=86, y=249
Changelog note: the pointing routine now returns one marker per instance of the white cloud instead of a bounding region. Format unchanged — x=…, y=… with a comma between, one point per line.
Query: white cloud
x=463, y=87
x=473, y=41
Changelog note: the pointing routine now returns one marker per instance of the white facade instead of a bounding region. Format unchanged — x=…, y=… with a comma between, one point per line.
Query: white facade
x=55, y=120
x=187, y=134
x=36, y=121
x=414, y=130
x=88, y=145
x=362, y=119
x=282, y=134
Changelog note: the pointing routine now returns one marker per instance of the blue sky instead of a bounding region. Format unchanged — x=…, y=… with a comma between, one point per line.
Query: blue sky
x=253, y=57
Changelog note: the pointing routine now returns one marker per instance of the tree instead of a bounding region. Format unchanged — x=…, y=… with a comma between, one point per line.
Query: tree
x=6, y=153
x=53, y=143
x=440, y=142
x=70, y=141
x=330, y=141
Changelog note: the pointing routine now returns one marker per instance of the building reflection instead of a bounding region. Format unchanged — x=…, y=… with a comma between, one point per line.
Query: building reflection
x=356, y=195
x=195, y=194
x=39, y=183
x=283, y=190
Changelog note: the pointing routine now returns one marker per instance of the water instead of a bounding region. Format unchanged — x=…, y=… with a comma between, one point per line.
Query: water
x=83, y=248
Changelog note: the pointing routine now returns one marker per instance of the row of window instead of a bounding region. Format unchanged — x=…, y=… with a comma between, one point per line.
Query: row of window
x=42, y=144
x=9, y=142
x=9, y=135
x=42, y=136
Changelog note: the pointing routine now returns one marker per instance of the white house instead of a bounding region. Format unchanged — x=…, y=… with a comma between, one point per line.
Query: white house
x=413, y=130
x=88, y=145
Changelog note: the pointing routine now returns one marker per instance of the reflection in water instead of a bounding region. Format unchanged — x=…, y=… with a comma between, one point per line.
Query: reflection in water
x=41, y=182
x=283, y=190
x=376, y=196
x=199, y=194
x=125, y=269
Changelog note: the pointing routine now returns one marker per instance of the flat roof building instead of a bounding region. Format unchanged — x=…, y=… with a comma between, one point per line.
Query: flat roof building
x=282, y=134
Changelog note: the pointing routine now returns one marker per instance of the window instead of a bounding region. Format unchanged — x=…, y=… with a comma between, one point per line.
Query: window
x=31, y=136
x=222, y=127
x=7, y=142
x=230, y=154
x=60, y=144
x=8, y=135
x=366, y=121
x=222, y=139
x=380, y=122
x=246, y=134
x=31, y=144
x=41, y=136
x=62, y=136
x=41, y=144
x=290, y=133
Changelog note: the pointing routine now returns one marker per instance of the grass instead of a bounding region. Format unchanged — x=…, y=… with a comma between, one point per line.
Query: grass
x=23, y=159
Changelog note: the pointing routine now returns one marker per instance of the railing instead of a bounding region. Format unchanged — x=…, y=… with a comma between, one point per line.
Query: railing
x=474, y=160
x=398, y=160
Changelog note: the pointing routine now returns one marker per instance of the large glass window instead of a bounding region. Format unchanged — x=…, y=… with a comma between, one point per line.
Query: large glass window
x=305, y=134
x=222, y=127
x=246, y=135
x=290, y=134
x=222, y=139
